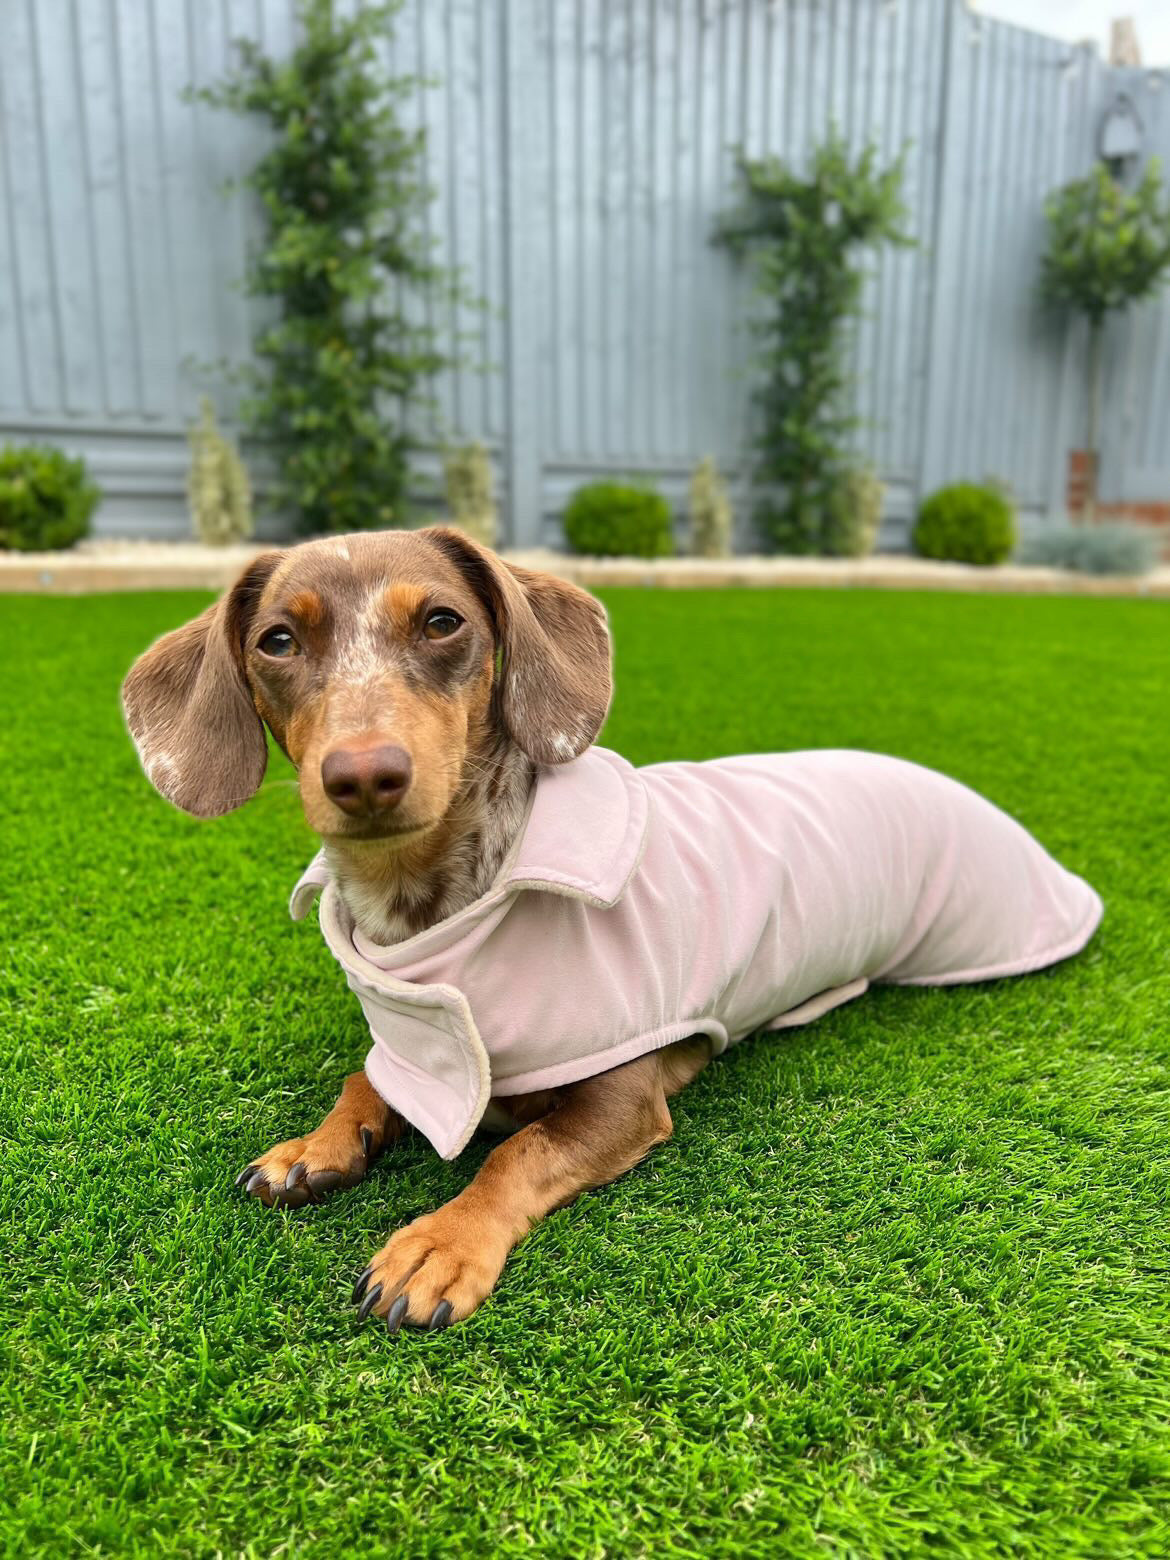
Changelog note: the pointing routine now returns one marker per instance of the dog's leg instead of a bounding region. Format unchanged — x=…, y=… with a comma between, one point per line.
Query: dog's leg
x=337, y=1154
x=441, y=1267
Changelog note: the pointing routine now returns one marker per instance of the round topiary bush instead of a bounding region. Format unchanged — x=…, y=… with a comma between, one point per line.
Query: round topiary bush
x=46, y=499
x=966, y=523
x=610, y=519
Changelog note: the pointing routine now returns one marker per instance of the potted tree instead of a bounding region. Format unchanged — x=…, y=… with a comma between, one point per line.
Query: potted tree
x=1108, y=248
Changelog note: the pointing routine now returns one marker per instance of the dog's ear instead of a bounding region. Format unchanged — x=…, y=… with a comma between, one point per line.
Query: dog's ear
x=189, y=709
x=556, y=673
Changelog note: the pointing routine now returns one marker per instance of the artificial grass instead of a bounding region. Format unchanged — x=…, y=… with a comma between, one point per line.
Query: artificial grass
x=897, y=1286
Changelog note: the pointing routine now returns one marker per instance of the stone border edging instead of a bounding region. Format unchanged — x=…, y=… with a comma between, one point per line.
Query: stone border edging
x=130, y=566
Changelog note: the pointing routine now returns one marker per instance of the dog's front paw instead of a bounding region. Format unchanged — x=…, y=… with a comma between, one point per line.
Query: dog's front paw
x=433, y=1272
x=307, y=1169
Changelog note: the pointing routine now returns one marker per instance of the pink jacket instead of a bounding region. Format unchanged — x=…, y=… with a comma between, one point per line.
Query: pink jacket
x=644, y=905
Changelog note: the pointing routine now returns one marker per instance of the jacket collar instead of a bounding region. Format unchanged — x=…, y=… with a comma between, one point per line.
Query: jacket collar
x=584, y=837
x=586, y=830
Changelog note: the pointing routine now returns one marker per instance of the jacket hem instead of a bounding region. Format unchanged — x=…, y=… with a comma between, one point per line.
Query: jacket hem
x=1036, y=961
x=598, y=1062
x=380, y=1072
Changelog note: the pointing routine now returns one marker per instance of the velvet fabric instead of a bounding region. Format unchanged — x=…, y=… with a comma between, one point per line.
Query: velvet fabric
x=640, y=906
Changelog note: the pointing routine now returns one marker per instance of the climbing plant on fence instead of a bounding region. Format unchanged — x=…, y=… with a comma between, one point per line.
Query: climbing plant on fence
x=346, y=361
x=806, y=233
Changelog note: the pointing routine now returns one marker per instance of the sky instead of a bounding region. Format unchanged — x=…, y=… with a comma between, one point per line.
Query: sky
x=1076, y=19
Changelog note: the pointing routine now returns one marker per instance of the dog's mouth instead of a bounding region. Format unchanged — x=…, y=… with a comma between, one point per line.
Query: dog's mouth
x=376, y=831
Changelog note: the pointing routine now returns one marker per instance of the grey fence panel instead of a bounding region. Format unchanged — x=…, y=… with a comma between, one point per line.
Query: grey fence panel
x=581, y=152
x=455, y=47
x=1135, y=440
x=1020, y=110
x=649, y=357
x=122, y=254
x=896, y=62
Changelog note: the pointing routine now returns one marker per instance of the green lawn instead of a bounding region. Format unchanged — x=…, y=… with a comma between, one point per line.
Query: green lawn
x=899, y=1285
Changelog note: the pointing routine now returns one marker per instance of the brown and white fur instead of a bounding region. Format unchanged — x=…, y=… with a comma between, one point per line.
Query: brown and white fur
x=416, y=681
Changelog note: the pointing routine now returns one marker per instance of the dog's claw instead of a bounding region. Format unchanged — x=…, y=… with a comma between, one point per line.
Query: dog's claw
x=440, y=1316
x=258, y=1179
x=370, y=1301
x=363, y=1279
x=295, y=1175
x=367, y=1141
x=245, y=1173
x=396, y=1312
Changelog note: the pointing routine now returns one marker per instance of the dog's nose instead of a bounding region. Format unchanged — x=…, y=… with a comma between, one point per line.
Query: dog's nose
x=366, y=781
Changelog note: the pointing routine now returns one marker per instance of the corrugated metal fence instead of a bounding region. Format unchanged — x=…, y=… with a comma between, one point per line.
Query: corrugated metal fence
x=581, y=151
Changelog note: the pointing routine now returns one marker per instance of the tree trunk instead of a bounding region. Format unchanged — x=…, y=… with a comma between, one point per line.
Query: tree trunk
x=1093, y=417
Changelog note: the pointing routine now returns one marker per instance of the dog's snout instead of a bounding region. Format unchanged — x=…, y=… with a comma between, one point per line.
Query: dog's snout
x=366, y=781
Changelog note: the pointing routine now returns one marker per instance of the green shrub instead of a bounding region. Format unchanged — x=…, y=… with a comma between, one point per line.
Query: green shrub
x=471, y=497
x=806, y=227
x=966, y=523
x=219, y=495
x=46, y=499
x=344, y=354
x=853, y=514
x=609, y=519
x=1091, y=549
x=710, y=510
x=794, y=530
x=841, y=520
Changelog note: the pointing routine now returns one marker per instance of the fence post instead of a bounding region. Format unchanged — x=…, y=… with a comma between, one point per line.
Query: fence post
x=523, y=270
x=933, y=464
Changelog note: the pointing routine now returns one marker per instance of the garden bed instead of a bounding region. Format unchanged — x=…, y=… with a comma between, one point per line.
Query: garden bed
x=104, y=565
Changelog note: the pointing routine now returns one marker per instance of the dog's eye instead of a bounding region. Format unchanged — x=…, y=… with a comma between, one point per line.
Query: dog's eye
x=279, y=644
x=442, y=624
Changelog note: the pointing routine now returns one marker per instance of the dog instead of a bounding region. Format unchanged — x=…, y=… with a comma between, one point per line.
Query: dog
x=544, y=940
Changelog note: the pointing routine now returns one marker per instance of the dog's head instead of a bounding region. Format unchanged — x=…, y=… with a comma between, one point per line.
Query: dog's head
x=385, y=664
